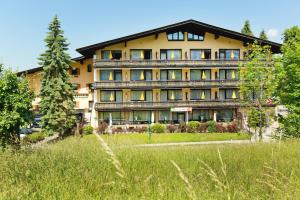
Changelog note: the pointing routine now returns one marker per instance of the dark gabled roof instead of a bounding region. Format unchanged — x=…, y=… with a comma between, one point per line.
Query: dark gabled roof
x=188, y=26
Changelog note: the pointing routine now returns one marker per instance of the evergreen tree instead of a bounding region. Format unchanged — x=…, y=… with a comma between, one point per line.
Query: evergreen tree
x=263, y=35
x=57, y=95
x=15, y=104
x=247, y=29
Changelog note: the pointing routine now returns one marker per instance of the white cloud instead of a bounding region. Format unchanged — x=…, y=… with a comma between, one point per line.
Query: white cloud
x=272, y=33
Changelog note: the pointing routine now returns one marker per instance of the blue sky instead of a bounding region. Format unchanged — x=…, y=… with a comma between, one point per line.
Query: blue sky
x=24, y=23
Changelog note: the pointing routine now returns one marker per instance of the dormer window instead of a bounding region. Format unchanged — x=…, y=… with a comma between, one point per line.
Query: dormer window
x=177, y=36
x=195, y=37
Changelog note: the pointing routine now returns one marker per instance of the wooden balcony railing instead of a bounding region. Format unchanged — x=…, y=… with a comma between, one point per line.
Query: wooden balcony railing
x=166, y=63
x=165, y=84
x=167, y=105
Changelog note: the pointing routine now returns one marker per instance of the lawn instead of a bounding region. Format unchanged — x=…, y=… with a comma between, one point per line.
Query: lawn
x=131, y=139
x=82, y=168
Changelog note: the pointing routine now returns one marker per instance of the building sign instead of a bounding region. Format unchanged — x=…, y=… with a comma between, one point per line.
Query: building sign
x=181, y=109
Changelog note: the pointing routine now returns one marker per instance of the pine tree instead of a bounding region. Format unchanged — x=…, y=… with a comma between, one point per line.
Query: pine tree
x=247, y=28
x=263, y=35
x=57, y=95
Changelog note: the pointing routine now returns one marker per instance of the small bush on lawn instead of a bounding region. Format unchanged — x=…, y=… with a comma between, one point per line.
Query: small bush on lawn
x=192, y=126
x=158, y=128
x=220, y=128
x=88, y=129
x=117, y=130
x=211, y=126
x=182, y=127
x=102, y=127
x=140, y=129
x=34, y=138
x=232, y=127
x=172, y=128
x=202, y=128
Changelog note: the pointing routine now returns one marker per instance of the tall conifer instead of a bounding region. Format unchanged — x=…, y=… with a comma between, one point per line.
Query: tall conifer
x=57, y=95
x=247, y=29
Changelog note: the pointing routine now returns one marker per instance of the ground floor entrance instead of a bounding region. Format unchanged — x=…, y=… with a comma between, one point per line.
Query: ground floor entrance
x=166, y=116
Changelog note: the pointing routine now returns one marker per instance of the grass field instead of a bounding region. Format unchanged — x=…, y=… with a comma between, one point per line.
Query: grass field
x=86, y=168
x=131, y=139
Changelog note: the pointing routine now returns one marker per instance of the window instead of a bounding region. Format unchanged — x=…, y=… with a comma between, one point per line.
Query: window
x=195, y=37
x=229, y=54
x=224, y=115
x=110, y=75
x=199, y=115
x=141, y=117
x=229, y=94
x=111, y=54
x=171, y=95
x=228, y=74
x=171, y=75
x=117, y=117
x=90, y=86
x=141, y=54
x=200, y=54
x=75, y=71
x=170, y=54
x=200, y=94
x=141, y=95
x=164, y=116
x=89, y=68
x=200, y=74
x=141, y=75
x=111, y=96
x=177, y=36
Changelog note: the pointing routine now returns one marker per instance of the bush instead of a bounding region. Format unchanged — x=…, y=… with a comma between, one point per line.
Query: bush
x=182, y=127
x=232, y=127
x=34, y=137
x=220, y=128
x=158, y=128
x=192, y=126
x=211, y=126
x=117, y=130
x=202, y=128
x=87, y=130
x=102, y=127
x=172, y=128
x=140, y=129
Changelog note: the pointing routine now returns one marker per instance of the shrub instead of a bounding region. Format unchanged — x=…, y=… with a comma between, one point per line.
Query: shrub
x=158, y=128
x=182, y=127
x=102, y=127
x=34, y=137
x=232, y=127
x=202, y=128
x=140, y=129
x=211, y=128
x=117, y=130
x=192, y=126
x=220, y=128
x=172, y=128
x=87, y=130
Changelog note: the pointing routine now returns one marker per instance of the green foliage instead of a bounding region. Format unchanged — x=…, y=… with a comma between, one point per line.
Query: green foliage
x=158, y=128
x=15, y=103
x=263, y=35
x=254, y=118
x=34, y=137
x=289, y=81
x=212, y=126
x=247, y=29
x=258, y=79
x=192, y=126
x=57, y=105
x=88, y=129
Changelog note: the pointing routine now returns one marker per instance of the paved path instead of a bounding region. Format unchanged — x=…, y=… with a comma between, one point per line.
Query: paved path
x=195, y=143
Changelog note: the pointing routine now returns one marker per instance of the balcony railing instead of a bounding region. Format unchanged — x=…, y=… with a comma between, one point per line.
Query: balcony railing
x=166, y=63
x=167, y=105
x=165, y=84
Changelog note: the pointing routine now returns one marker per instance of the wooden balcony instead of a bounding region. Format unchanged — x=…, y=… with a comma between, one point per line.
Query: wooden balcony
x=144, y=105
x=165, y=84
x=166, y=63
